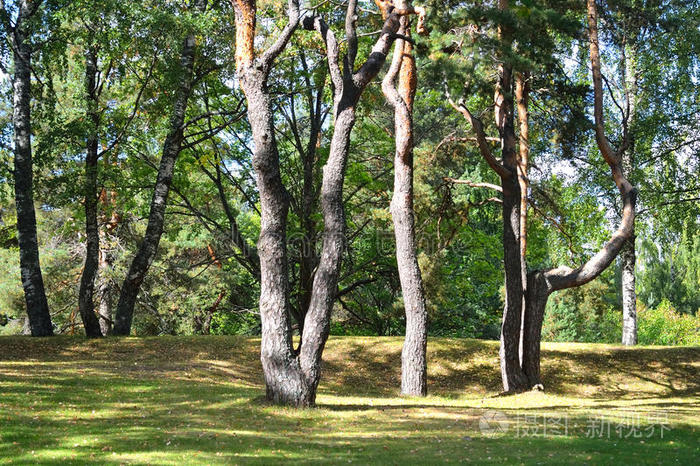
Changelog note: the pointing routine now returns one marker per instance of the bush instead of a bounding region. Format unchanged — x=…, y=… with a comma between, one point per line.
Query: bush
x=666, y=326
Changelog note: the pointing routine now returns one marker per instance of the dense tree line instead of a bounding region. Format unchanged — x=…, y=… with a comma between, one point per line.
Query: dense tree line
x=297, y=170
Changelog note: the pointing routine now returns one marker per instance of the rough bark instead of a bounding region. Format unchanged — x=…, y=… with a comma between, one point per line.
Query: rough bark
x=413, y=356
x=32, y=280
x=522, y=96
x=527, y=294
x=348, y=88
x=537, y=294
x=511, y=373
x=544, y=283
x=90, y=268
x=282, y=371
x=292, y=377
x=156, y=218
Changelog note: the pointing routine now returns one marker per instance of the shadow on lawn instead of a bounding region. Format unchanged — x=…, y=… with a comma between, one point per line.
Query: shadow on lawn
x=169, y=421
x=176, y=400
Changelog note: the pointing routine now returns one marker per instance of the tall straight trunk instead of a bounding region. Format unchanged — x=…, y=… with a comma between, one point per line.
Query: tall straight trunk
x=512, y=376
x=522, y=95
x=105, y=291
x=628, y=256
x=629, y=295
x=511, y=372
x=32, y=280
x=156, y=218
x=87, y=281
x=413, y=356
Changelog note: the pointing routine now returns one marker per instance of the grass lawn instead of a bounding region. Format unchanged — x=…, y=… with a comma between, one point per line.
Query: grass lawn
x=181, y=400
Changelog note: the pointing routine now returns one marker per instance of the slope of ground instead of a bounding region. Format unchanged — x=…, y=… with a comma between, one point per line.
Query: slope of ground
x=175, y=400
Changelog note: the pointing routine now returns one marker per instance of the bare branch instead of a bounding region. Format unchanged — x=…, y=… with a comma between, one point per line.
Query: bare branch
x=275, y=49
x=478, y=128
x=474, y=184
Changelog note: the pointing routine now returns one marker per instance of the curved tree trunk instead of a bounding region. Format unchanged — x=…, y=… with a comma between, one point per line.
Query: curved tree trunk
x=32, y=280
x=543, y=283
x=530, y=297
x=414, y=377
x=284, y=382
x=318, y=317
x=87, y=280
x=156, y=218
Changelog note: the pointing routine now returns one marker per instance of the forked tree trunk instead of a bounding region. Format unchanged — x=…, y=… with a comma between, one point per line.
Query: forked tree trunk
x=413, y=355
x=32, y=280
x=532, y=295
x=543, y=283
x=292, y=377
x=156, y=218
x=87, y=281
x=281, y=368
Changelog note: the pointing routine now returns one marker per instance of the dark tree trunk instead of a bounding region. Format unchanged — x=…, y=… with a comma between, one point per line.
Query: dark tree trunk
x=537, y=294
x=511, y=371
x=32, y=280
x=87, y=281
x=414, y=377
x=542, y=283
x=171, y=149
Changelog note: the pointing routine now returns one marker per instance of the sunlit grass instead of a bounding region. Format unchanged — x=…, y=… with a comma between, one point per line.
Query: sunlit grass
x=182, y=400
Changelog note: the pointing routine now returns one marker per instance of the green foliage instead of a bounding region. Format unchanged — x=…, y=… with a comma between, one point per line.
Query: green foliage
x=583, y=314
x=458, y=229
x=664, y=325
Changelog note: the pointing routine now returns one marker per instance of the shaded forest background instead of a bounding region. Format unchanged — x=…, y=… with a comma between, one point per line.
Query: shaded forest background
x=204, y=278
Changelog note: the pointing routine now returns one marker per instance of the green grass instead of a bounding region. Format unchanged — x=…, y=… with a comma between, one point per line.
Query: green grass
x=183, y=400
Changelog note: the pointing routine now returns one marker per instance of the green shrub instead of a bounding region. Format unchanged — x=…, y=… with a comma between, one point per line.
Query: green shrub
x=666, y=326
